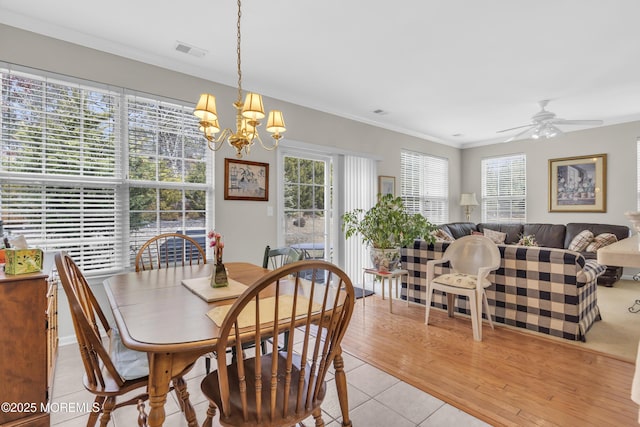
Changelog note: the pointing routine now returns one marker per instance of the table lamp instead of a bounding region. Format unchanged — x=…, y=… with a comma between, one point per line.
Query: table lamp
x=468, y=200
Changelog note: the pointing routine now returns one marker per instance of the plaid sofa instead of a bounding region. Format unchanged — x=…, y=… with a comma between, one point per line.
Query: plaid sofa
x=547, y=290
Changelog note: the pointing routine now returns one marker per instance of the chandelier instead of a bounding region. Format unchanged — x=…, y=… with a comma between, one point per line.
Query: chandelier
x=248, y=116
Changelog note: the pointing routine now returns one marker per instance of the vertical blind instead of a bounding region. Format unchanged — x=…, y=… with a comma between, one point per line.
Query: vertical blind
x=360, y=193
x=63, y=157
x=424, y=185
x=504, y=189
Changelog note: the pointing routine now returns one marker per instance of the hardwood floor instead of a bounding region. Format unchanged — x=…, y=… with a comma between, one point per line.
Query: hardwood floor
x=510, y=378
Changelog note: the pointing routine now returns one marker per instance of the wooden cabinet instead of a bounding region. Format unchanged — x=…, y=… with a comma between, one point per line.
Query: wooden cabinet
x=28, y=346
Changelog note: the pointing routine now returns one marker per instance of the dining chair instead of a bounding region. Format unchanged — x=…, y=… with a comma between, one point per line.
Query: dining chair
x=169, y=250
x=114, y=370
x=277, y=257
x=471, y=259
x=280, y=388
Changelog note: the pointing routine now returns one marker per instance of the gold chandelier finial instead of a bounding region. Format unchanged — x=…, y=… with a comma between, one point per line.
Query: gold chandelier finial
x=248, y=116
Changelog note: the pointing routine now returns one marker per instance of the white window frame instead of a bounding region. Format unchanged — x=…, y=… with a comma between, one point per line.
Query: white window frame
x=424, y=185
x=504, y=189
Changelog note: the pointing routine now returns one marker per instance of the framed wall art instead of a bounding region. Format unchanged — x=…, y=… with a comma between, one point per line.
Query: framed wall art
x=578, y=184
x=244, y=180
x=387, y=185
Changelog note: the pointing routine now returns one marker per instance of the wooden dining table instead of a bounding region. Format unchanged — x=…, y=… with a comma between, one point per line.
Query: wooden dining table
x=156, y=314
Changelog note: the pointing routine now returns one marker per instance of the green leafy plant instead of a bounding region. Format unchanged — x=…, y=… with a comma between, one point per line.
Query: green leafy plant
x=387, y=225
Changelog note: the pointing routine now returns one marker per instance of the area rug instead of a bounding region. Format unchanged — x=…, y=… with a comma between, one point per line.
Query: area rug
x=618, y=333
x=358, y=291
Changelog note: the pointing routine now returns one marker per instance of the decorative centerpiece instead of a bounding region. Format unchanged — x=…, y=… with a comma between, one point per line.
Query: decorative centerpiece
x=385, y=228
x=219, y=274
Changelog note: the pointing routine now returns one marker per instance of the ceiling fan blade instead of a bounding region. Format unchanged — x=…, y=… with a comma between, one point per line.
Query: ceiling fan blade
x=576, y=122
x=517, y=127
x=519, y=134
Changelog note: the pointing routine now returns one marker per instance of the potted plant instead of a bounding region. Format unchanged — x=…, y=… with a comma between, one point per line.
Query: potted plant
x=386, y=228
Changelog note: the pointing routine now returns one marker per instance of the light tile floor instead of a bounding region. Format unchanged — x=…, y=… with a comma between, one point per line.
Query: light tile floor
x=375, y=399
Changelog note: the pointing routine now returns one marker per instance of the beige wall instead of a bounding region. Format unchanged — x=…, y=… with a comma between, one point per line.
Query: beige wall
x=617, y=141
x=246, y=226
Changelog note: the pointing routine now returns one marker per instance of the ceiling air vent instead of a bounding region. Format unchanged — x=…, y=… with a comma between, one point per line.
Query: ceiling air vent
x=191, y=50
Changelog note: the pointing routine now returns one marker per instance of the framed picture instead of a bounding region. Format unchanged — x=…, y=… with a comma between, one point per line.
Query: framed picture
x=578, y=184
x=387, y=185
x=245, y=180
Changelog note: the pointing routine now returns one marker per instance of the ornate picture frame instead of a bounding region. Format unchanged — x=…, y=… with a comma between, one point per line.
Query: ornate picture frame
x=578, y=184
x=386, y=185
x=245, y=180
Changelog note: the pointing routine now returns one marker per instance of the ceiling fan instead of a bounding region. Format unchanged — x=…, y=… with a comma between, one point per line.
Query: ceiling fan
x=544, y=124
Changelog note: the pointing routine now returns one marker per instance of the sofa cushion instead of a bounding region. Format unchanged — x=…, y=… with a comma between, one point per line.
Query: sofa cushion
x=441, y=235
x=573, y=228
x=459, y=229
x=497, y=237
x=547, y=235
x=512, y=231
x=581, y=241
x=600, y=241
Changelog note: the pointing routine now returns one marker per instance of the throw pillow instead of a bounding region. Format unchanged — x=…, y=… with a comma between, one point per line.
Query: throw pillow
x=442, y=236
x=497, y=236
x=581, y=241
x=600, y=241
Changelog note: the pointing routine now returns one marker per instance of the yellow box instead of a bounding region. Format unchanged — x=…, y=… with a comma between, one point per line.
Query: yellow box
x=21, y=261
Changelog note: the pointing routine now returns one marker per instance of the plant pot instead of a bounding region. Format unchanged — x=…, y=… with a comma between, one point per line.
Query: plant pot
x=385, y=259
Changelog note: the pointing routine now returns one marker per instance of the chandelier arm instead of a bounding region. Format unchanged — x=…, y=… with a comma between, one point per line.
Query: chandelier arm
x=273, y=147
x=216, y=143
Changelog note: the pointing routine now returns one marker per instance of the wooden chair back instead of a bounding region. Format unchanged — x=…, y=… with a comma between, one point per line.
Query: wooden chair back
x=87, y=318
x=102, y=377
x=281, y=388
x=169, y=250
x=277, y=257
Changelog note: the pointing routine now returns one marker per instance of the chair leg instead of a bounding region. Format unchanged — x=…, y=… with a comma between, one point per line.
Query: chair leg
x=317, y=415
x=207, y=364
x=476, y=322
x=428, y=302
x=142, y=415
x=180, y=387
x=486, y=306
x=211, y=412
x=93, y=415
x=107, y=408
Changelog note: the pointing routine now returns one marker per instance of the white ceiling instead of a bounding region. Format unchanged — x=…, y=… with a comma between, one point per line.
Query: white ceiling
x=452, y=71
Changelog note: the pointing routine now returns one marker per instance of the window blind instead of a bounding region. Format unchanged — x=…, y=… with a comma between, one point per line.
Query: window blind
x=504, y=189
x=360, y=193
x=424, y=185
x=87, y=169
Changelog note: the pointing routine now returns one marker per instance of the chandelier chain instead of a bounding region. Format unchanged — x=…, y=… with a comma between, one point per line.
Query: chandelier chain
x=238, y=52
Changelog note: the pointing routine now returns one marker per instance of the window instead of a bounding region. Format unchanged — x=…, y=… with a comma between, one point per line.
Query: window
x=504, y=189
x=424, y=185
x=64, y=147
x=167, y=171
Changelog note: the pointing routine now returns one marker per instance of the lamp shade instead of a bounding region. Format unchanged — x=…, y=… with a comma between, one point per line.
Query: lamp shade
x=275, y=123
x=210, y=128
x=252, y=108
x=468, y=199
x=206, y=108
